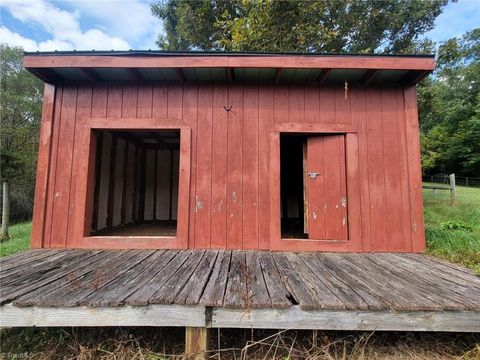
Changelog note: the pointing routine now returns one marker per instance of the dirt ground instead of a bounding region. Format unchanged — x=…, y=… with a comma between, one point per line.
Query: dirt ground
x=167, y=343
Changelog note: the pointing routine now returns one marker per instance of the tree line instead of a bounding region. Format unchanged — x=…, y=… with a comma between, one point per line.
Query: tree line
x=449, y=100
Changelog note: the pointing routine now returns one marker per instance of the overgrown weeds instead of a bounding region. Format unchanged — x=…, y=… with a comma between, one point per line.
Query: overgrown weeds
x=167, y=343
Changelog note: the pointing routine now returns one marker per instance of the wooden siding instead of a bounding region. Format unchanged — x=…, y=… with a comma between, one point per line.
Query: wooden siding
x=231, y=177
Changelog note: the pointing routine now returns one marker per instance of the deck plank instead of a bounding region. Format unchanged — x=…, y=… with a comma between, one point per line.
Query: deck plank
x=16, y=260
x=345, y=293
x=373, y=303
x=417, y=283
x=214, y=292
x=47, y=295
x=294, y=283
x=370, y=282
x=462, y=295
x=172, y=287
x=257, y=293
x=441, y=263
x=446, y=272
x=18, y=265
x=152, y=285
x=116, y=293
x=42, y=280
x=42, y=268
x=195, y=286
x=394, y=284
x=236, y=290
x=97, y=279
x=323, y=293
x=279, y=294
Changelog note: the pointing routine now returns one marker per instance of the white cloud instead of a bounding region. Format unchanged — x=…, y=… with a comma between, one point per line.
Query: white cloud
x=62, y=25
x=129, y=19
x=15, y=39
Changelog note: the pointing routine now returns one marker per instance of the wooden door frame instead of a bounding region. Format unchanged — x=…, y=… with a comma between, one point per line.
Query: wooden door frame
x=354, y=242
x=84, y=193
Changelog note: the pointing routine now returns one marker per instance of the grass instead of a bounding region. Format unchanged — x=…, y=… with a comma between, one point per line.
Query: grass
x=453, y=233
x=19, y=239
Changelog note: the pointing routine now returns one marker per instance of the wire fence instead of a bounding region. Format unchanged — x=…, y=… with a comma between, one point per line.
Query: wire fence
x=451, y=189
x=459, y=180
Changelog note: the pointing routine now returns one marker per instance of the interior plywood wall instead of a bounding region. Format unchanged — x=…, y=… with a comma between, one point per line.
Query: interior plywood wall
x=136, y=192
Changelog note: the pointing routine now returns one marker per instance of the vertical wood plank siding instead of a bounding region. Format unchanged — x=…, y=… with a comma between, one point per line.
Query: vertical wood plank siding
x=231, y=173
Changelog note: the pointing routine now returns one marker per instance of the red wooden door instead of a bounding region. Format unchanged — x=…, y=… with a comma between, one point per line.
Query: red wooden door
x=325, y=188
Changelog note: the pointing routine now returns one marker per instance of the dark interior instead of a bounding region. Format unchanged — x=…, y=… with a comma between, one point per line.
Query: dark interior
x=136, y=183
x=291, y=186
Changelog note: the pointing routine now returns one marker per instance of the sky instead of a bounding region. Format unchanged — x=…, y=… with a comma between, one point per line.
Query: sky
x=46, y=25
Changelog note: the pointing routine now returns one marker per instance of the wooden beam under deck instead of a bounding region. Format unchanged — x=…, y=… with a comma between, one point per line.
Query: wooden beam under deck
x=296, y=318
x=152, y=315
x=199, y=316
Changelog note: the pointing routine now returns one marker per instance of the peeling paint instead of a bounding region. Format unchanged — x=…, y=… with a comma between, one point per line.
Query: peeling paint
x=344, y=221
x=234, y=197
x=198, y=204
x=414, y=226
x=219, y=206
x=344, y=202
x=314, y=215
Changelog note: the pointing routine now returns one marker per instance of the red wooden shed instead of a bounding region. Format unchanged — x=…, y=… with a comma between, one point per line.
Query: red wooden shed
x=149, y=149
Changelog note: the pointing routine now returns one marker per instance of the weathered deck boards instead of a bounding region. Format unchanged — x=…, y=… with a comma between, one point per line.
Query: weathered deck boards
x=241, y=288
x=237, y=279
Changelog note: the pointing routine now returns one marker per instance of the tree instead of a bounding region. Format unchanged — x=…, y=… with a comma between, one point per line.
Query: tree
x=449, y=106
x=20, y=112
x=360, y=26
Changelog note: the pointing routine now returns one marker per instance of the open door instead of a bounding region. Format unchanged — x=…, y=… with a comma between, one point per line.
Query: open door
x=325, y=189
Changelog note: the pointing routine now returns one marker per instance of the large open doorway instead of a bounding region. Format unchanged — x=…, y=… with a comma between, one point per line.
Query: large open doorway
x=136, y=183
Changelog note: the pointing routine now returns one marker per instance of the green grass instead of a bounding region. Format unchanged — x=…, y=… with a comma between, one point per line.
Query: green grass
x=19, y=239
x=453, y=233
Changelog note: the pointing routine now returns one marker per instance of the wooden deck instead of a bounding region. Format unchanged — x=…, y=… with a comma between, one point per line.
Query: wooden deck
x=237, y=289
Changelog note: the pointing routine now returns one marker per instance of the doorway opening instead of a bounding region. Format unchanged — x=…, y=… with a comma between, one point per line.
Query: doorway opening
x=313, y=187
x=136, y=183
x=292, y=192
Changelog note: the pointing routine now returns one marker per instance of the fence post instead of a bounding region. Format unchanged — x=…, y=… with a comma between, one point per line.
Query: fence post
x=452, y=189
x=5, y=212
x=466, y=181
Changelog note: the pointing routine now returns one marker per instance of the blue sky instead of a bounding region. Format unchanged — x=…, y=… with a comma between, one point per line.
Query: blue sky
x=128, y=24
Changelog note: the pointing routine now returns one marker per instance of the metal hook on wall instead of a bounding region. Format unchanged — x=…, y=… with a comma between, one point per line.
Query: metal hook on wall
x=227, y=108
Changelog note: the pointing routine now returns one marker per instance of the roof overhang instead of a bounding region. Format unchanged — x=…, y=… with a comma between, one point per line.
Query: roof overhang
x=228, y=67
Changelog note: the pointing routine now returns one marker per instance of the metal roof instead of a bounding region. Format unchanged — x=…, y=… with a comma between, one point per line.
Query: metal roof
x=150, y=52
x=214, y=66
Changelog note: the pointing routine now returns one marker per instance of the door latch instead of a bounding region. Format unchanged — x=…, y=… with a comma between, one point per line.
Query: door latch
x=313, y=175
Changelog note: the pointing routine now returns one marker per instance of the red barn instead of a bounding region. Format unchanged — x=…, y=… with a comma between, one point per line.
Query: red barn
x=229, y=151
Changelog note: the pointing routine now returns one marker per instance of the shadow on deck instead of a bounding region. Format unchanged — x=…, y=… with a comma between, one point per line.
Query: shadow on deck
x=210, y=288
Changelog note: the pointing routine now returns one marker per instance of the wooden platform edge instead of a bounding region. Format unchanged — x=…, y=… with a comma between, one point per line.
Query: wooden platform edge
x=152, y=315
x=297, y=318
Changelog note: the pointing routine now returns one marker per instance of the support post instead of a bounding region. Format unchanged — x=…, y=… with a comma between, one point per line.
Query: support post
x=452, y=189
x=5, y=212
x=197, y=341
